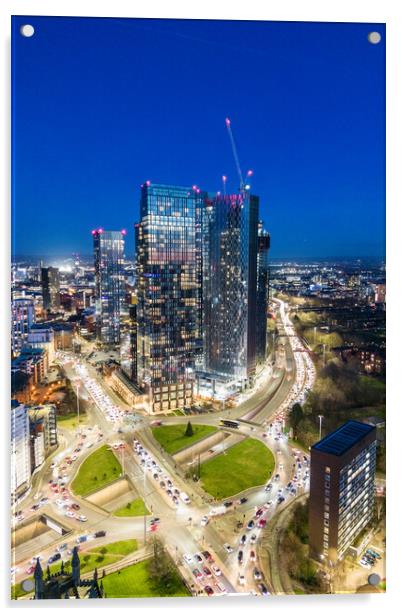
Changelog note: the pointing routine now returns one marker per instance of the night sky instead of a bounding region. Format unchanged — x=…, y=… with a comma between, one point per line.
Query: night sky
x=100, y=105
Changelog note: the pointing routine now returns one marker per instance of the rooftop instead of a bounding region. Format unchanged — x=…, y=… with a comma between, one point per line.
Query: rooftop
x=345, y=437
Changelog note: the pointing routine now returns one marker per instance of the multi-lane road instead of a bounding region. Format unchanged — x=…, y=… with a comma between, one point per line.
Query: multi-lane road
x=215, y=558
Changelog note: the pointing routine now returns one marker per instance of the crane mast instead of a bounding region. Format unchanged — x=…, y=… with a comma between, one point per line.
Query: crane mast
x=234, y=150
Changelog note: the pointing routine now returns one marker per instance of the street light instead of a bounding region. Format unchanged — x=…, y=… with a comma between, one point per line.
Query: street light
x=320, y=417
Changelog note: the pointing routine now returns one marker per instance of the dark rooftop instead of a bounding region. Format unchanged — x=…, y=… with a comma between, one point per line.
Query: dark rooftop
x=342, y=439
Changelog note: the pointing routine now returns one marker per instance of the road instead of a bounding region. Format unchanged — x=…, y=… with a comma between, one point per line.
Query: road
x=180, y=526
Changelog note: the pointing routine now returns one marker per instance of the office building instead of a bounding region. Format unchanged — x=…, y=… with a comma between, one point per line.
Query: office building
x=263, y=245
x=22, y=319
x=168, y=267
x=42, y=338
x=229, y=284
x=50, y=279
x=20, y=450
x=341, y=489
x=109, y=284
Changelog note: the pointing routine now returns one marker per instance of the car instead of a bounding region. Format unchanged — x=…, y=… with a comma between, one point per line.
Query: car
x=82, y=518
x=30, y=569
x=250, y=525
x=228, y=503
x=252, y=556
x=263, y=589
x=243, y=500
x=280, y=499
x=198, y=558
x=197, y=574
x=207, y=572
x=262, y=522
x=75, y=506
x=209, y=590
x=240, y=556
x=221, y=588
x=70, y=514
x=258, y=513
x=207, y=556
x=216, y=571
x=55, y=557
x=82, y=539
x=268, y=487
x=228, y=548
x=62, y=547
x=99, y=533
x=155, y=520
x=204, y=520
x=253, y=538
x=243, y=539
x=365, y=564
x=257, y=574
x=242, y=579
x=188, y=558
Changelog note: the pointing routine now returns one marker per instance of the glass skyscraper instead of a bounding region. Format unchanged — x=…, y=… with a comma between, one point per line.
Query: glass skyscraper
x=229, y=275
x=50, y=280
x=262, y=291
x=168, y=267
x=109, y=284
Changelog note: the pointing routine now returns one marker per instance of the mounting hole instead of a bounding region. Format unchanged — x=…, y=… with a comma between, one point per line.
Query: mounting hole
x=374, y=37
x=27, y=30
x=27, y=585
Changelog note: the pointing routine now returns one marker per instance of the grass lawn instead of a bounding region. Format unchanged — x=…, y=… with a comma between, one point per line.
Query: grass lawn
x=172, y=438
x=249, y=463
x=97, y=557
x=135, y=581
x=135, y=507
x=97, y=471
x=70, y=421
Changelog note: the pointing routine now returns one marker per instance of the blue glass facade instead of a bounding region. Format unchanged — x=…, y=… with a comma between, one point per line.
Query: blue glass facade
x=168, y=262
x=109, y=284
x=230, y=227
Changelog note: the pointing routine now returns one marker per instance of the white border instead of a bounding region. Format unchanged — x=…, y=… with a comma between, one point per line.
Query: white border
x=287, y=10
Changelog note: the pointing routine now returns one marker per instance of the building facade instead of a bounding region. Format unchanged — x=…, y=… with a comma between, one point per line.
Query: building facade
x=128, y=346
x=23, y=317
x=20, y=450
x=109, y=284
x=264, y=243
x=341, y=489
x=50, y=279
x=229, y=285
x=168, y=268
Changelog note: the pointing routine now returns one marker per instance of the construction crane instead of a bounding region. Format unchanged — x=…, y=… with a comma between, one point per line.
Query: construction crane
x=243, y=185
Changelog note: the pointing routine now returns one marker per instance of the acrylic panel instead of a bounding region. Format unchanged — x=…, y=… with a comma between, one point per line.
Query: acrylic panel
x=198, y=308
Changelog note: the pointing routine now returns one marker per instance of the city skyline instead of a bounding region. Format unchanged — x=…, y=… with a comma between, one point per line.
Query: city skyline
x=313, y=132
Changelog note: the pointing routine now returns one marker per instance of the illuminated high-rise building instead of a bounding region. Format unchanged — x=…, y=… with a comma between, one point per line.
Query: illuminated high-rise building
x=50, y=288
x=168, y=268
x=109, y=284
x=263, y=245
x=230, y=229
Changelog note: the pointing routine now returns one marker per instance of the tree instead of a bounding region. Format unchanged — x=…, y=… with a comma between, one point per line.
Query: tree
x=295, y=415
x=189, y=430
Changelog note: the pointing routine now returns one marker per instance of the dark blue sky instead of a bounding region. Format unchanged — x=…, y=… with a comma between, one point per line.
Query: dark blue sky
x=100, y=105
